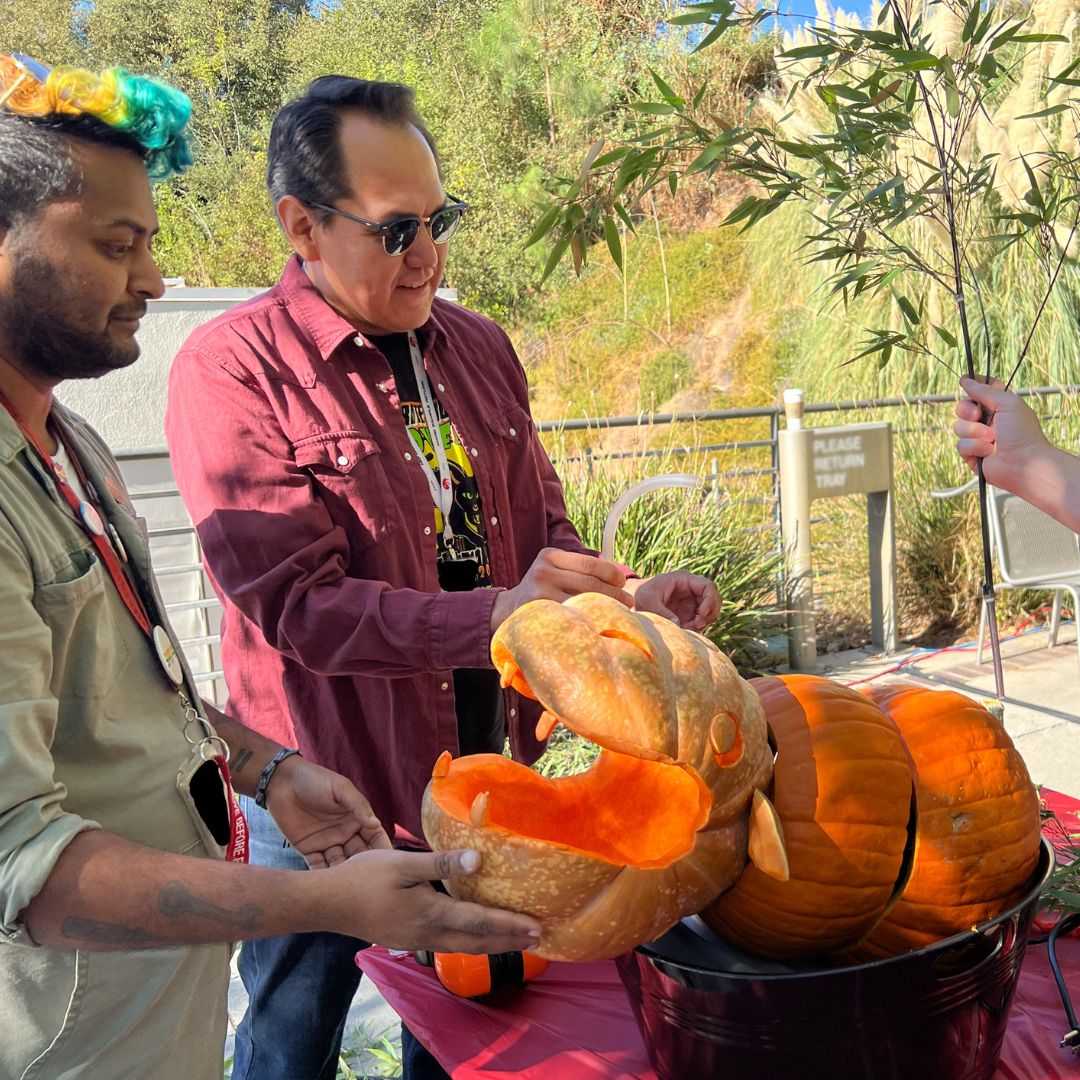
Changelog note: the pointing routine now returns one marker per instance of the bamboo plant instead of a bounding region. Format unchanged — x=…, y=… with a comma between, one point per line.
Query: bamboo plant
x=908, y=184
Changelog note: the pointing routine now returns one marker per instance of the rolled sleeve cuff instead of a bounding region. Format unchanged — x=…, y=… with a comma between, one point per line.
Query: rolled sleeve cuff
x=25, y=869
x=461, y=629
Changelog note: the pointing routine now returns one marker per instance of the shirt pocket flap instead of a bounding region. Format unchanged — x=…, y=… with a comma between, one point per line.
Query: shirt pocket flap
x=508, y=421
x=340, y=452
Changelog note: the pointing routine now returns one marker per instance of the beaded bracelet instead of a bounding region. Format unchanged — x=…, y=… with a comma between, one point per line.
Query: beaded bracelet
x=268, y=774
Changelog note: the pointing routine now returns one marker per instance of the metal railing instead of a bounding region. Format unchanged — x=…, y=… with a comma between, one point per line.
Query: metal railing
x=195, y=609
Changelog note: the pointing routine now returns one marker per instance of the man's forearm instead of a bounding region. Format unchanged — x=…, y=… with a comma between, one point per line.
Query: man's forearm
x=108, y=893
x=249, y=752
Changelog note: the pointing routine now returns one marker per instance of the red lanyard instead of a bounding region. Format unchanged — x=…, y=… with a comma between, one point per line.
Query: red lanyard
x=93, y=524
x=88, y=517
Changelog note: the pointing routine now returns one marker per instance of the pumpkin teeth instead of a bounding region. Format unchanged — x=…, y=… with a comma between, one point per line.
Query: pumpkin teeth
x=442, y=766
x=546, y=725
x=478, y=812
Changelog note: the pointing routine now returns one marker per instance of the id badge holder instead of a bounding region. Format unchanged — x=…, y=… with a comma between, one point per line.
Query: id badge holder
x=205, y=786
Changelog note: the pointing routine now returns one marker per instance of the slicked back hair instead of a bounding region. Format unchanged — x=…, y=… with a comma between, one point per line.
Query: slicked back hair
x=37, y=166
x=305, y=153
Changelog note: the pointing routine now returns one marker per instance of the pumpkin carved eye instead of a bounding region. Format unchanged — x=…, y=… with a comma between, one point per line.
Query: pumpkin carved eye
x=725, y=737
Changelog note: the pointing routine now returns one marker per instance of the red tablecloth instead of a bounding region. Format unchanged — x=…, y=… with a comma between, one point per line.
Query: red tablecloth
x=575, y=1023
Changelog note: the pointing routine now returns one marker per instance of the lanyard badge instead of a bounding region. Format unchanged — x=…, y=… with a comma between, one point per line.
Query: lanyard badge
x=204, y=782
x=439, y=478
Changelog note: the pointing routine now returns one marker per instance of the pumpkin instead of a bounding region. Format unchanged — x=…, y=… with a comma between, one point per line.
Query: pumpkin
x=658, y=826
x=842, y=789
x=976, y=824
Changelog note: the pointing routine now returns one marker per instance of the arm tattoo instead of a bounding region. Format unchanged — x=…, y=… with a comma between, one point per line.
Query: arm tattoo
x=175, y=899
x=79, y=928
x=240, y=759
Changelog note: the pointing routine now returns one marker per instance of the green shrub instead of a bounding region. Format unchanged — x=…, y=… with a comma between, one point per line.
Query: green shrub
x=719, y=534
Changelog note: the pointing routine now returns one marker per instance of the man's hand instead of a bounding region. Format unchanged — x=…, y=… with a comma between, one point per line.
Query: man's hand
x=385, y=897
x=689, y=600
x=556, y=575
x=321, y=813
x=1009, y=442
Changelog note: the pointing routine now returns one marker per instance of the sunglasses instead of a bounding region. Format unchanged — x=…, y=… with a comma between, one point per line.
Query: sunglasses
x=399, y=234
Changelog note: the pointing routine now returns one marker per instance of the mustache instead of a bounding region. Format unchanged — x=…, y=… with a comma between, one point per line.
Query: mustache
x=128, y=313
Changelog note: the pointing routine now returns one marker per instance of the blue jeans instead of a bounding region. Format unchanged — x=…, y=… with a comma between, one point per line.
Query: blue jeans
x=300, y=987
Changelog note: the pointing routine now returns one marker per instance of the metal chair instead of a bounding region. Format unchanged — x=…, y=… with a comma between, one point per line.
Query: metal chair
x=1033, y=552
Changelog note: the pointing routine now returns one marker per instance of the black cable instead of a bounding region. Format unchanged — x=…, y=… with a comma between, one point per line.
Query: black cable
x=1064, y=926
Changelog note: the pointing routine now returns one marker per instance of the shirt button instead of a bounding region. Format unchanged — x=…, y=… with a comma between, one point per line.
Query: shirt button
x=342, y=459
x=444, y=686
x=513, y=431
x=513, y=712
x=408, y=456
x=494, y=521
x=427, y=530
x=382, y=386
x=441, y=388
x=474, y=451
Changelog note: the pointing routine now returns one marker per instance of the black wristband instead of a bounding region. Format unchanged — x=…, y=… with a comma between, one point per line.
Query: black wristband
x=268, y=774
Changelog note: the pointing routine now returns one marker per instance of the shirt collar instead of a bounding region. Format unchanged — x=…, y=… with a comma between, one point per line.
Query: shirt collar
x=327, y=328
x=12, y=439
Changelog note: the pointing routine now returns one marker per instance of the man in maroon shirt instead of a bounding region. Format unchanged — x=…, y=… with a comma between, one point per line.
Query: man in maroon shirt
x=372, y=501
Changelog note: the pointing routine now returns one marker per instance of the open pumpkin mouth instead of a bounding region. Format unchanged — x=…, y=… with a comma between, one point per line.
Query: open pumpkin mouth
x=624, y=811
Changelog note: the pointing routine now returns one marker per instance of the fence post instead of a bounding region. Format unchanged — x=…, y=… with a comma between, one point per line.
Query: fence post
x=795, y=518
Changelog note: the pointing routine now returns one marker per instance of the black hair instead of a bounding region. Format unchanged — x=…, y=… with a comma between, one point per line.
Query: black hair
x=305, y=156
x=37, y=165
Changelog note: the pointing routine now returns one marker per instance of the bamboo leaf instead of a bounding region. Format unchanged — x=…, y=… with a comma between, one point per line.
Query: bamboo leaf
x=971, y=21
x=557, y=252
x=590, y=157
x=945, y=336
x=666, y=92
x=614, y=243
x=543, y=226
x=1052, y=110
x=908, y=309
x=653, y=108
x=808, y=52
x=611, y=156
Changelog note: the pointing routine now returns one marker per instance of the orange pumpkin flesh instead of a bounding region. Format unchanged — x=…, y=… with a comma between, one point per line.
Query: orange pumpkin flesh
x=977, y=819
x=657, y=827
x=623, y=811
x=842, y=791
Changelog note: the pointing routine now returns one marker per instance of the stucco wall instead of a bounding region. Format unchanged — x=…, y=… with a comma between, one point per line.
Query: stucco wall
x=128, y=407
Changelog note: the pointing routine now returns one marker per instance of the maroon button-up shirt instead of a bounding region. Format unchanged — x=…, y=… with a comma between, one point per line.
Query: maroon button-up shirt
x=316, y=522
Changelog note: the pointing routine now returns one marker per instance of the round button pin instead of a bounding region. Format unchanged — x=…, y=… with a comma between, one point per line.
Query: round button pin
x=117, y=543
x=167, y=655
x=91, y=519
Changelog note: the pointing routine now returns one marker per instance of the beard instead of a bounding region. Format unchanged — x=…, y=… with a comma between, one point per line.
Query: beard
x=42, y=331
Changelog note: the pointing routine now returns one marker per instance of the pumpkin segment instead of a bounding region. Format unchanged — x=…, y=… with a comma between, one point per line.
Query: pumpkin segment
x=977, y=819
x=842, y=793
x=658, y=826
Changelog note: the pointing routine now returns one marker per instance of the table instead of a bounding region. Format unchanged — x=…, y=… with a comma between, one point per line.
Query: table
x=574, y=1022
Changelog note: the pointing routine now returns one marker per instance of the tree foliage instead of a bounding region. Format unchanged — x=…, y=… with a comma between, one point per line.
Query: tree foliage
x=506, y=86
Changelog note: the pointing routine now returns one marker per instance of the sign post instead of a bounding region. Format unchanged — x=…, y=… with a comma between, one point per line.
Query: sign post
x=818, y=463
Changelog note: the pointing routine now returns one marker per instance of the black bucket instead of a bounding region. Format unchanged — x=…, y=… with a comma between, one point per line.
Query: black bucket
x=707, y=1011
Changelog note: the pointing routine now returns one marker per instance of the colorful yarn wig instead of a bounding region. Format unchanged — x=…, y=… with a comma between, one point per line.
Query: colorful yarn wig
x=153, y=113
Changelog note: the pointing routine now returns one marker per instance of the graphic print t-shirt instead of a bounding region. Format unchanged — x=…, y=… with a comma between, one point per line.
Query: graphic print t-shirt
x=468, y=546
x=464, y=562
